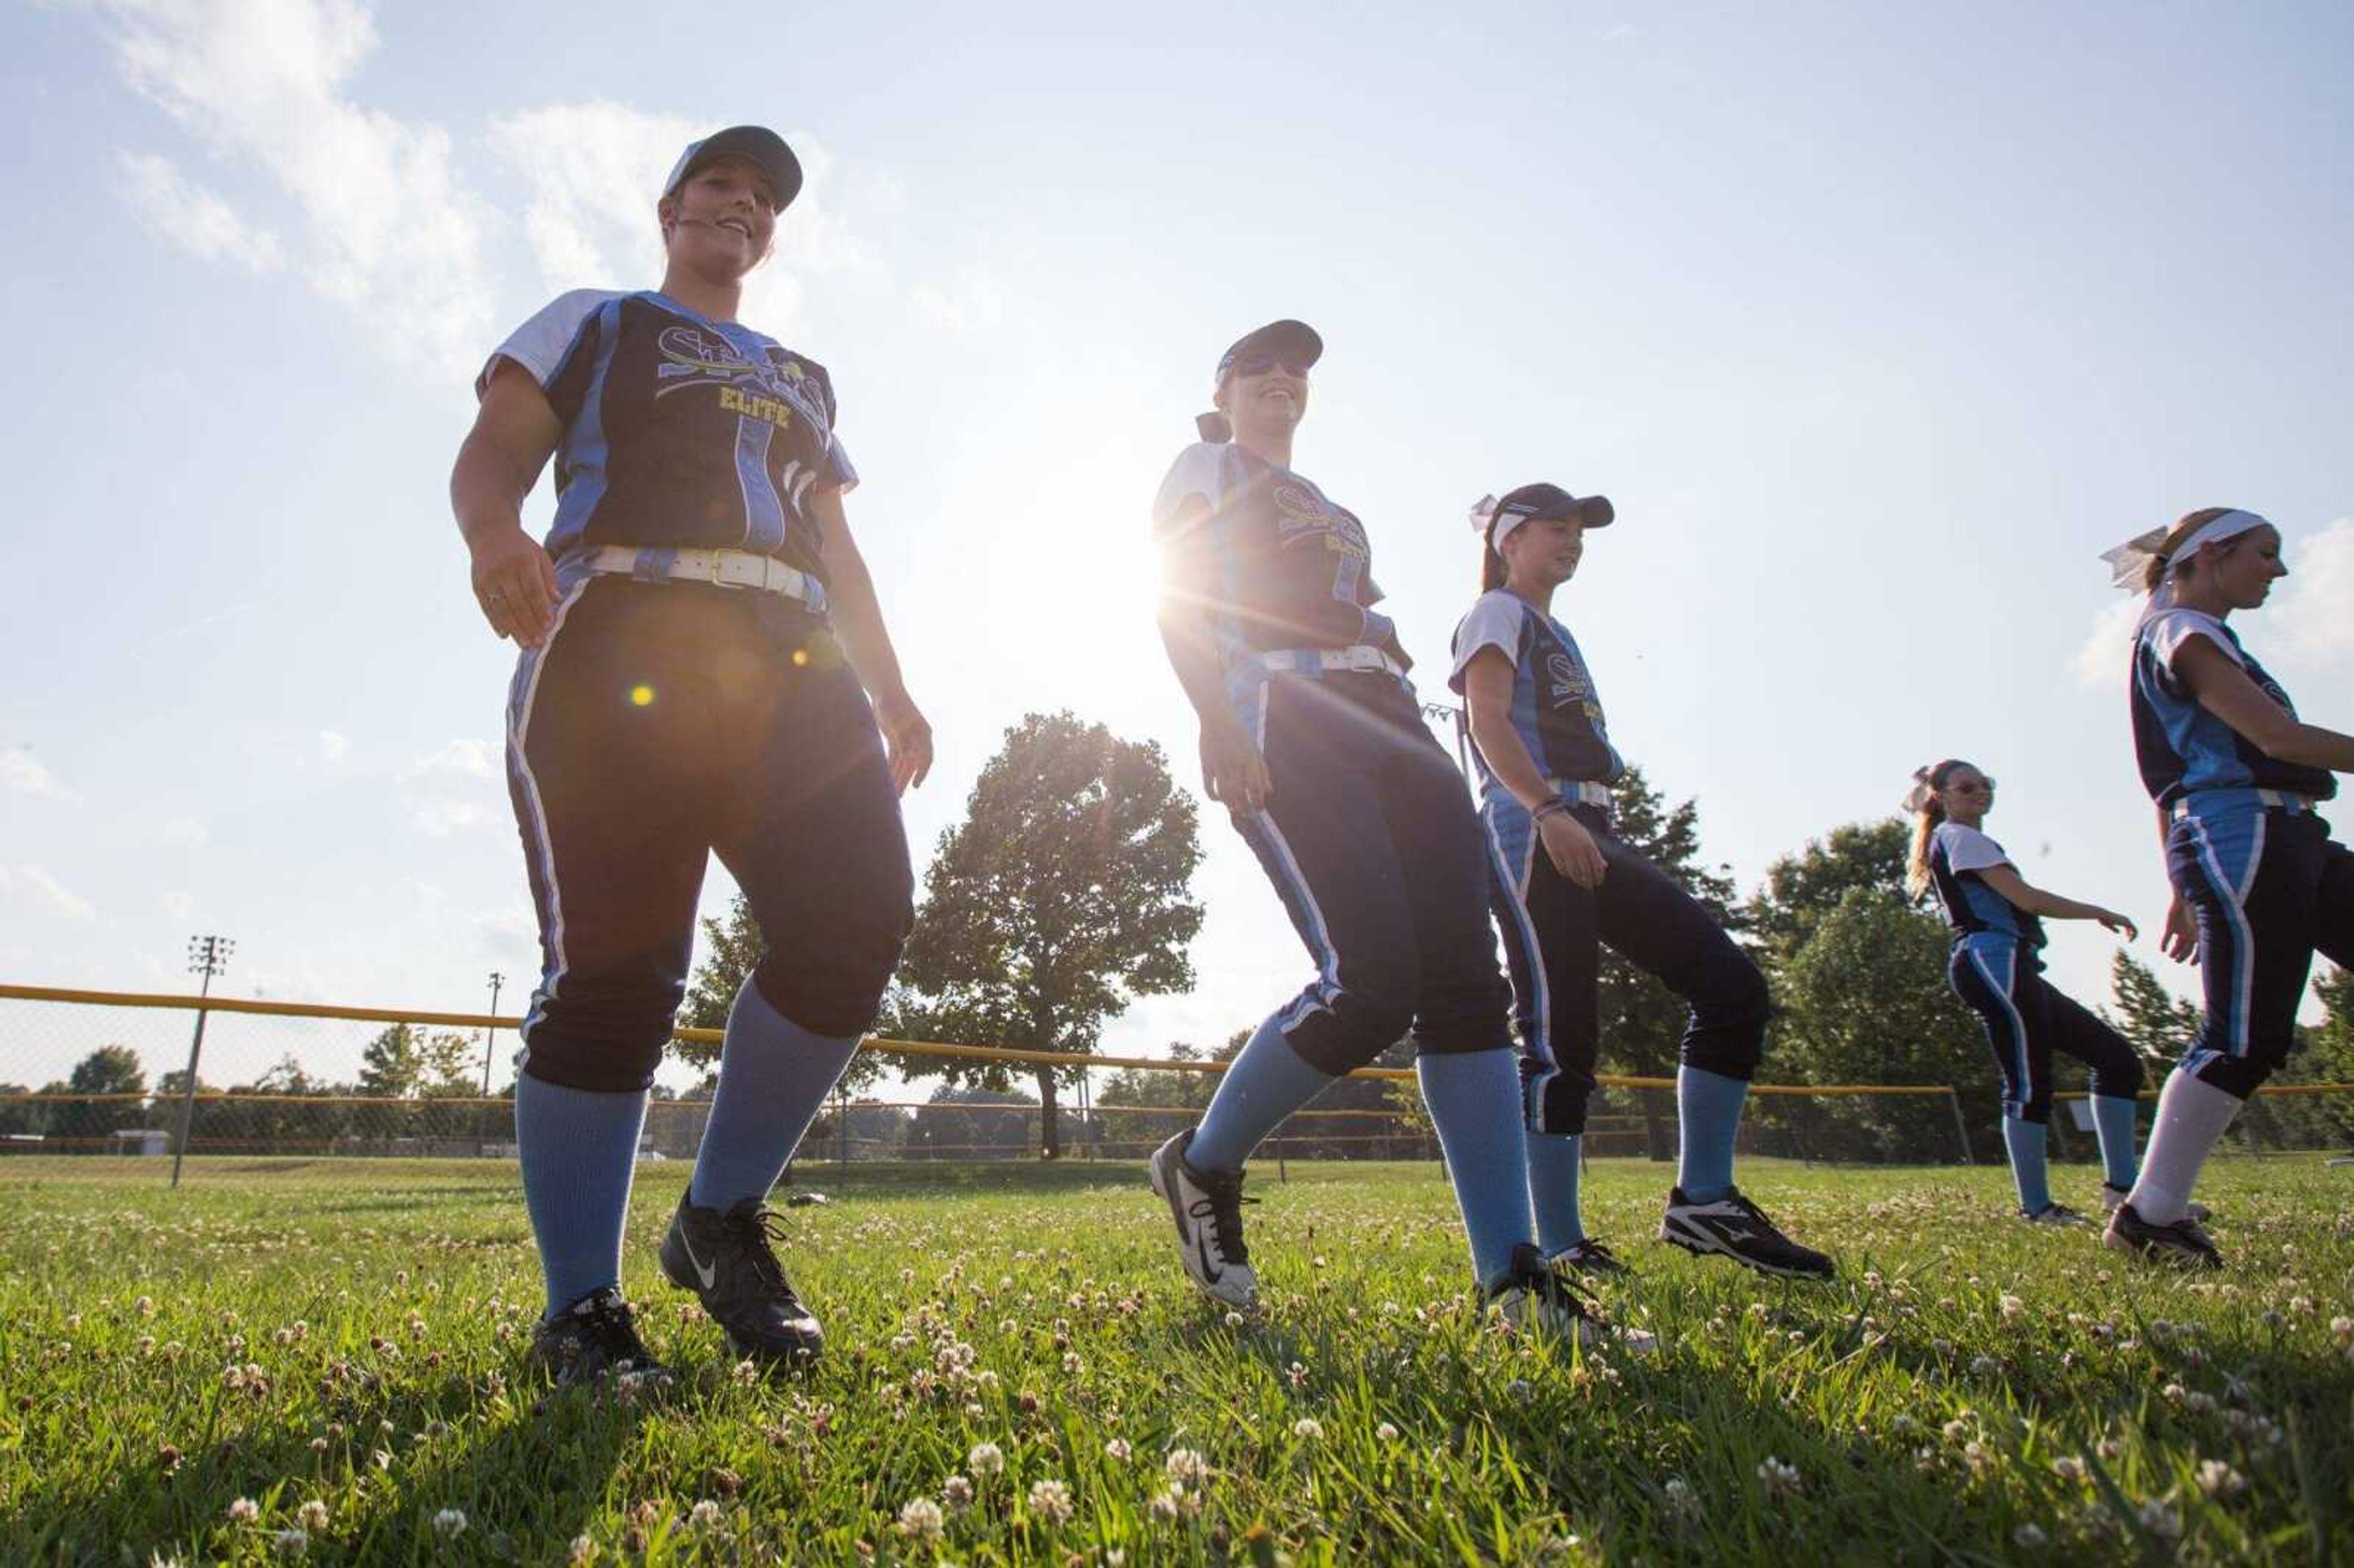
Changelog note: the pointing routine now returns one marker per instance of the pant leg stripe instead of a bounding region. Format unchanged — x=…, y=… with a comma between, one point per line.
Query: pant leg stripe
x=2244, y=957
x=2001, y=989
x=1524, y=931
x=543, y=849
x=1327, y=957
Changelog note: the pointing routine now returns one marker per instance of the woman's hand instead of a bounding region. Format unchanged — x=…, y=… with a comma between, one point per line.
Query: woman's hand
x=1234, y=774
x=1572, y=849
x=514, y=583
x=2117, y=923
x=2180, y=940
x=907, y=738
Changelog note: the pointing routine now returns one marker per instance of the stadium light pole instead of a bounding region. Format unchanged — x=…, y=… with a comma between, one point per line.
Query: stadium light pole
x=208, y=956
x=497, y=979
x=1453, y=718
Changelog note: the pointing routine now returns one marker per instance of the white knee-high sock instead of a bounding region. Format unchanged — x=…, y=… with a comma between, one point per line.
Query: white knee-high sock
x=2191, y=1115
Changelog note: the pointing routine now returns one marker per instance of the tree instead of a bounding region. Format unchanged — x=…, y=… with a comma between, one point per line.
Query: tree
x=1802, y=889
x=2159, y=1025
x=1866, y=1001
x=1062, y=897
x=951, y=1126
x=732, y=950
x=111, y=1070
x=2333, y=1043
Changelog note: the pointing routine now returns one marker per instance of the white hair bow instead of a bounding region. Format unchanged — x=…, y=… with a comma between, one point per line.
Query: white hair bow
x=1483, y=513
x=1921, y=792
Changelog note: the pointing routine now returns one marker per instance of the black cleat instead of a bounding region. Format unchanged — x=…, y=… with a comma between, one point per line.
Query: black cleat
x=2182, y=1244
x=1732, y=1226
x=1590, y=1257
x=1207, y=1206
x=593, y=1339
x=727, y=1261
x=2057, y=1214
x=1535, y=1299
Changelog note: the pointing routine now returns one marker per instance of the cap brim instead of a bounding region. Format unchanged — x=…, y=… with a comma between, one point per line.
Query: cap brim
x=1294, y=343
x=757, y=145
x=1596, y=512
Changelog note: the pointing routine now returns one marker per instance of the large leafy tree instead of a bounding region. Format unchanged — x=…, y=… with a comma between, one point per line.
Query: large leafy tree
x=2159, y=1025
x=1063, y=895
x=1801, y=890
x=109, y=1070
x=731, y=948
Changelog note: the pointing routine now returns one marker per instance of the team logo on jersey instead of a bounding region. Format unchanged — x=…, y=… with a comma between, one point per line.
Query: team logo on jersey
x=691, y=357
x=1571, y=685
x=1300, y=509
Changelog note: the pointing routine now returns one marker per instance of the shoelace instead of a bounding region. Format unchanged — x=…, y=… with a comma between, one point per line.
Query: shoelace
x=1594, y=1249
x=607, y=1318
x=1221, y=1203
x=753, y=1235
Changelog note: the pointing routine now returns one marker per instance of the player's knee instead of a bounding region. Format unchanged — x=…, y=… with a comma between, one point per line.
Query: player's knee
x=835, y=999
x=2239, y=1076
x=2036, y=1111
x=609, y=1044
x=1556, y=1102
x=1467, y=1016
x=2120, y=1077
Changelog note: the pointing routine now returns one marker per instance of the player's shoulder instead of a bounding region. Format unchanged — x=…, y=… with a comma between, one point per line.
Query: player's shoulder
x=1495, y=617
x=2164, y=633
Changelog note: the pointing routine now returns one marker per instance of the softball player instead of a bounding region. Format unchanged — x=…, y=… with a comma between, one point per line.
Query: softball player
x=1563, y=884
x=1312, y=739
x=696, y=635
x=1996, y=970
x=2258, y=885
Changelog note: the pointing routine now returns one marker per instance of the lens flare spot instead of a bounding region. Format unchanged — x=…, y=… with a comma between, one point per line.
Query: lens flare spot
x=800, y=658
x=642, y=696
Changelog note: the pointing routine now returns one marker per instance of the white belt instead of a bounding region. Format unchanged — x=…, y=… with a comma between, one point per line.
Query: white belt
x=2274, y=799
x=1361, y=656
x=726, y=568
x=1581, y=791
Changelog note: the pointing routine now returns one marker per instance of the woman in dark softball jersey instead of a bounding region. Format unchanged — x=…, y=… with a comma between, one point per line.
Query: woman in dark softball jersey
x=1312, y=739
x=1996, y=969
x=2258, y=885
x=1564, y=884
x=703, y=669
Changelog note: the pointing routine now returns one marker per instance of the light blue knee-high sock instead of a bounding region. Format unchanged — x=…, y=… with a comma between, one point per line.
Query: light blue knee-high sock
x=774, y=1076
x=1708, y=1118
x=1553, y=1160
x=1475, y=1105
x=2024, y=1141
x=1268, y=1081
x=2113, y=1124
x=578, y=1149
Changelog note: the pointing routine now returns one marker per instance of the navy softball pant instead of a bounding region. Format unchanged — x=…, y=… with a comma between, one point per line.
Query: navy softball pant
x=1554, y=934
x=663, y=721
x=1370, y=838
x=2027, y=1020
x=2269, y=888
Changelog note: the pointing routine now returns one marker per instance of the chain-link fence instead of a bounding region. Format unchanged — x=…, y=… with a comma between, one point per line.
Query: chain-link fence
x=106, y=1073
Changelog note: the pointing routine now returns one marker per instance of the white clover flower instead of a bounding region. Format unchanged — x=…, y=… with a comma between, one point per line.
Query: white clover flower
x=2069, y=1467
x=313, y=1516
x=2218, y=1479
x=449, y=1523
x=957, y=1492
x=985, y=1460
x=2161, y=1519
x=921, y=1520
x=1164, y=1506
x=2030, y=1537
x=1117, y=1450
x=244, y=1511
x=290, y=1543
x=705, y=1515
x=1957, y=1430
x=2012, y=1307
x=1776, y=1477
x=1681, y=1498
x=1051, y=1500
x=1387, y=1433
x=1308, y=1429
x=1187, y=1468
x=581, y=1551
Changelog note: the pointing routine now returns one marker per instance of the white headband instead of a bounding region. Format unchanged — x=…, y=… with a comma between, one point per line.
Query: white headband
x=2129, y=562
x=1483, y=517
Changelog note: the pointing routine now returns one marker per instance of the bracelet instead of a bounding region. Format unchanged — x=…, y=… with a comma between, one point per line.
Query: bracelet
x=1551, y=807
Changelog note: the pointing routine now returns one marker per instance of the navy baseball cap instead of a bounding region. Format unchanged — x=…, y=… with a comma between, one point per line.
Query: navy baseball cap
x=1293, y=343
x=1550, y=501
x=763, y=147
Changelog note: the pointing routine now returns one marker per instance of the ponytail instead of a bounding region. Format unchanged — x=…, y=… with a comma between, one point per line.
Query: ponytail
x=1927, y=812
x=1492, y=570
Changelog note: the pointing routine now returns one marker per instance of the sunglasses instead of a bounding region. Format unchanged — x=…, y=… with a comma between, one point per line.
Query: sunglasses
x=1260, y=364
x=1981, y=786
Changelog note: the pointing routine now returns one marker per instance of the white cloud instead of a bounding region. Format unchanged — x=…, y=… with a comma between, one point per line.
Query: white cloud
x=2107, y=649
x=32, y=881
x=462, y=757
x=595, y=170
x=451, y=790
x=179, y=905
x=391, y=230
x=22, y=771
x=971, y=306
x=334, y=747
x=2315, y=616
x=194, y=218
x=186, y=833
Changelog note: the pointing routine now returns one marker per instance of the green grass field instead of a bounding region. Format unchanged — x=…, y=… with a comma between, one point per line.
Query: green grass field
x=336, y=1350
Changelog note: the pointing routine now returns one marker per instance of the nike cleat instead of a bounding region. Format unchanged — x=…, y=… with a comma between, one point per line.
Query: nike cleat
x=1207, y=1208
x=1589, y=1258
x=1732, y=1226
x=592, y=1341
x=2059, y=1214
x=2113, y=1197
x=1535, y=1299
x=2181, y=1245
x=729, y=1262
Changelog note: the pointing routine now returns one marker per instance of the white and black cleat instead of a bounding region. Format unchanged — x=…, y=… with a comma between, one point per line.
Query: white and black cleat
x=2181, y=1245
x=2056, y=1214
x=2113, y=1198
x=592, y=1342
x=1207, y=1208
x=726, y=1259
x=1535, y=1299
x=1732, y=1226
x=1590, y=1257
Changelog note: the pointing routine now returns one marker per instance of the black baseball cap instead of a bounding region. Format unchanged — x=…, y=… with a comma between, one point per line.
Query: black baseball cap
x=1550, y=501
x=1293, y=343
x=762, y=146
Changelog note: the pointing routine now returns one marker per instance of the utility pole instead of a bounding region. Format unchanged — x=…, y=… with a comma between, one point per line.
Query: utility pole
x=497, y=979
x=208, y=956
x=1453, y=718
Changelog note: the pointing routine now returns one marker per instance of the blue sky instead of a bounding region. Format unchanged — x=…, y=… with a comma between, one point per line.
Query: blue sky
x=1877, y=323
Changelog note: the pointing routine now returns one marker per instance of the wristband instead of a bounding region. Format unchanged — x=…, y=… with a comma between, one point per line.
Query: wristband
x=1550, y=807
